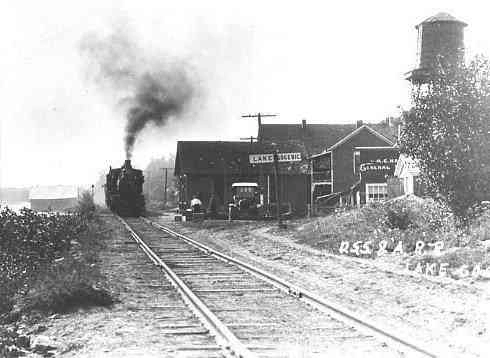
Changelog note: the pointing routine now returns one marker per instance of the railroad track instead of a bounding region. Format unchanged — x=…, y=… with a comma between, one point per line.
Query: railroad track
x=252, y=313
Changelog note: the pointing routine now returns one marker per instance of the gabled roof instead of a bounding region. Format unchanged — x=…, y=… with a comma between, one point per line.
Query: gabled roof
x=53, y=192
x=356, y=132
x=407, y=164
x=316, y=138
x=230, y=158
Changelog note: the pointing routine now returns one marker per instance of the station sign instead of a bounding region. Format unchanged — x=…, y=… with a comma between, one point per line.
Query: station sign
x=269, y=158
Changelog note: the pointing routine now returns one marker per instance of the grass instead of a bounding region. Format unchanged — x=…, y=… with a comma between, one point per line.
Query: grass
x=406, y=221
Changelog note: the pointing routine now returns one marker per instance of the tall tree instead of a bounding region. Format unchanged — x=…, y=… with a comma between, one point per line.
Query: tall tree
x=448, y=131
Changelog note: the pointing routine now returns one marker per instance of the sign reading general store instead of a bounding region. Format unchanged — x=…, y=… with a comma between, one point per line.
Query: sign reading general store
x=377, y=163
x=269, y=158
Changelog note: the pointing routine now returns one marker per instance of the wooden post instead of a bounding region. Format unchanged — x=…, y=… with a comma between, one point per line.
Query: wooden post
x=259, y=120
x=165, y=189
x=224, y=184
x=276, y=180
x=268, y=190
x=312, y=191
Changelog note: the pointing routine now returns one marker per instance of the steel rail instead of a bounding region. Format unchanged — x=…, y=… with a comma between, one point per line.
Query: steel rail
x=313, y=299
x=231, y=345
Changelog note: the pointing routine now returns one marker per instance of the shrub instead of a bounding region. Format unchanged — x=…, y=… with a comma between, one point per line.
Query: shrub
x=66, y=285
x=28, y=241
x=402, y=220
x=49, y=255
x=86, y=206
x=12, y=344
x=398, y=219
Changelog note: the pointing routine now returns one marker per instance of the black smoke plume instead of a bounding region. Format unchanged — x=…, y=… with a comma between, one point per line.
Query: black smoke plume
x=152, y=90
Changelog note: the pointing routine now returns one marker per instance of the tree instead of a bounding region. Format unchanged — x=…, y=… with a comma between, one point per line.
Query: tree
x=154, y=185
x=448, y=131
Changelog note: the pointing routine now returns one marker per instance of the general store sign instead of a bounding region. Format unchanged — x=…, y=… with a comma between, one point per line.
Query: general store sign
x=376, y=164
x=379, y=164
x=269, y=158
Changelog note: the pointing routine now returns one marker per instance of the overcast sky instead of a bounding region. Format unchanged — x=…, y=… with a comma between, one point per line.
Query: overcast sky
x=323, y=62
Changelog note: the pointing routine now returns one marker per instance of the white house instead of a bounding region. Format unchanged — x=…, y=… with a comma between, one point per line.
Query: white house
x=407, y=169
x=53, y=198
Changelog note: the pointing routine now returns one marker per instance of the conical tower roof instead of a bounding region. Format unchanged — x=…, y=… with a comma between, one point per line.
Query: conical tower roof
x=441, y=17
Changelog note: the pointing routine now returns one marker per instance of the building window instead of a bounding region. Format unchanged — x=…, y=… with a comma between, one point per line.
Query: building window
x=376, y=192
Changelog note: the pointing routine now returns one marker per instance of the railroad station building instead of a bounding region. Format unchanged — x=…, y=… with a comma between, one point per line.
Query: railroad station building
x=328, y=153
x=207, y=168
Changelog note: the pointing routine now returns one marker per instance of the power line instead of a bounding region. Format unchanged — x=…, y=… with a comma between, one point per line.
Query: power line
x=259, y=117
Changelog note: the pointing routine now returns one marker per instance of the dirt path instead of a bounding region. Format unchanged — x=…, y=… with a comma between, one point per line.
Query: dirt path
x=449, y=316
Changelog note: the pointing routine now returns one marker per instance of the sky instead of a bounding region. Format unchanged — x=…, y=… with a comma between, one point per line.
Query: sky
x=63, y=121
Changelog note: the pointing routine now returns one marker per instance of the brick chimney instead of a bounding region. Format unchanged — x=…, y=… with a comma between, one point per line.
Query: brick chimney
x=303, y=124
x=359, y=123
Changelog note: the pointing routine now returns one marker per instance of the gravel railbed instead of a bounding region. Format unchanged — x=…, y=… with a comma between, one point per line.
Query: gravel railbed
x=450, y=316
x=268, y=321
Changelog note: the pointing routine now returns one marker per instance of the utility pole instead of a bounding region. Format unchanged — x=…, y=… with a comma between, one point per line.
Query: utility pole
x=276, y=180
x=165, y=188
x=224, y=180
x=251, y=139
x=165, y=185
x=259, y=117
x=149, y=185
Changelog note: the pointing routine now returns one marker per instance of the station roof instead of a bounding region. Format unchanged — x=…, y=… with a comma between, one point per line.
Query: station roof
x=230, y=158
x=316, y=138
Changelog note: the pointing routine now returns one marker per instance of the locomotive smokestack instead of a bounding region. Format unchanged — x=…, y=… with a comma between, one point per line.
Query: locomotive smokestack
x=127, y=164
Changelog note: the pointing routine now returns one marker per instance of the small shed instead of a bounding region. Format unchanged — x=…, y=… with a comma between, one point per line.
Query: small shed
x=408, y=171
x=53, y=198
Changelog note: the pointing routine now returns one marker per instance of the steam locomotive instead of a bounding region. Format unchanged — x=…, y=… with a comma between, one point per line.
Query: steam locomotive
x=124, y=190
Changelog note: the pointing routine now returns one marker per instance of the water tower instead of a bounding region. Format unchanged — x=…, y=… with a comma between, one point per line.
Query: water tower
x=440, y=42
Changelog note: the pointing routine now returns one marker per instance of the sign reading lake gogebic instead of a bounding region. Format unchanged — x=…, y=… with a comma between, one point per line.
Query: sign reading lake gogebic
x=269, y=158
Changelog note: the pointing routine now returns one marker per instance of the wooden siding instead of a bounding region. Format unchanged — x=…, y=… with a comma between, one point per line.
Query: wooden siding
x=343, y=172
x=294, y=189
